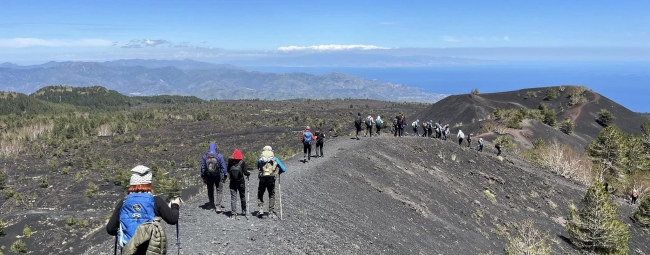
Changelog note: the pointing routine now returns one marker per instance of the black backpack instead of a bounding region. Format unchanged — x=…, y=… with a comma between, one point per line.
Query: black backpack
x=236, y=172
x=212, y=165
x=320, y=136
x=358, y=121
x=368, y=122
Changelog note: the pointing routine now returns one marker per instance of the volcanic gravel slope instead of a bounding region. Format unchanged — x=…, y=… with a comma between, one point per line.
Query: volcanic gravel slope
x=388, y=195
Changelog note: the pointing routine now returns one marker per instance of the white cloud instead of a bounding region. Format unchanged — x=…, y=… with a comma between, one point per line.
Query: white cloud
x=332, y=47
x=31, y=42
x=507, y=38
x=447, y=38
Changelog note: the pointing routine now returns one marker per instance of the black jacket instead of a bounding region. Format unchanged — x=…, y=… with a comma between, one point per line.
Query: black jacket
x=232, y=162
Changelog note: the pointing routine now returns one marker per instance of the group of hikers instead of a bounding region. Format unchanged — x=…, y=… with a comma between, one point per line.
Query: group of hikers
x=136, y=219
x=430, y=129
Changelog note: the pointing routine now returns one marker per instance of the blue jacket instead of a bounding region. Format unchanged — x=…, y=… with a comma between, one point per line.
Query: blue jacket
x=212, y=149
x=283, y=169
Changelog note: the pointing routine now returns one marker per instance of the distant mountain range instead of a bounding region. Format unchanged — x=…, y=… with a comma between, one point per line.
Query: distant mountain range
x=204, y=80
x=347, y=59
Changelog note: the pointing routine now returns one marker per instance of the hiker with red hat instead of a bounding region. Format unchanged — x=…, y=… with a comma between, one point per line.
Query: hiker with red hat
x=237, y=170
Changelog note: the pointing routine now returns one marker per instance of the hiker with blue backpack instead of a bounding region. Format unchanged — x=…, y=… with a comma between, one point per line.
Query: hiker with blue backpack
x=136, y=219
x=480, y=145
x=307, y=139
x=214, y=174
x=270, y=167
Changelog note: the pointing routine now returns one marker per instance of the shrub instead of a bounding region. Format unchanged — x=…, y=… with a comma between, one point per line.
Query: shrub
x=9, y=193
x=642, y=214
x=576, y=95
x=567, y=126
x=608, y=151
x=596, y=227
x=506, y=141
x=18, y=247
x=475, y=91
x=552, y=93
x=529, y=241
x=605, y=118
x=27, y=231
x=91, y=189
x=2, y=180
x=43, y=181
x=539, y=143
x=530, y=94
x=70, y=221
x=490, y=195
x=563, y=160
x=2, y=228
x=122, y=178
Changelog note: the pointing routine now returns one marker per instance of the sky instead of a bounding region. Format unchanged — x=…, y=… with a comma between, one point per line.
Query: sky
x=105, y=30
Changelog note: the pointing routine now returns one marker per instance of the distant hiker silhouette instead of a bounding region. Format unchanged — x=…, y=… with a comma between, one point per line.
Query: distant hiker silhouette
x=136, y=219
x=320, y=141
x=357, y=124
x=307, y=139
x=498, y=146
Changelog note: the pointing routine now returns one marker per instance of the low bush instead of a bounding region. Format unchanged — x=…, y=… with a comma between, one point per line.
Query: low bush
x=567, y=126
x=18, y=247
x=605, y=118
x=528, y=241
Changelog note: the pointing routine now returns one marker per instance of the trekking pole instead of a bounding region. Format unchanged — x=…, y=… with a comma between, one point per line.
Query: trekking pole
x=115, y=247
x=280, y=193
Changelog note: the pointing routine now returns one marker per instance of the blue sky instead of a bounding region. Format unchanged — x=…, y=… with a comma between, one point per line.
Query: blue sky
x=74, y=30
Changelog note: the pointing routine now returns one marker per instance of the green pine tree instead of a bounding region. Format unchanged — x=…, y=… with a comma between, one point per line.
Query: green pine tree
x=608, y=150
x=596, y=227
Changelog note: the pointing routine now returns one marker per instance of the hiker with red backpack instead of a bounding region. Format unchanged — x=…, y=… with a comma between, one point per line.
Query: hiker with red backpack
x=214, y=173
x=307, y=139
x=270, y=167
x=142, y=210
x=237, y=170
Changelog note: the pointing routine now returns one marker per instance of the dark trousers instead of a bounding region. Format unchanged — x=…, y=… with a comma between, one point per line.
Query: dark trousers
x=378, y=130
x=460, y=141
x=479, y=147
x=234, y=189
x=415, y=130
x=307, y=150
x=368, y=131
x=396, y=131
x=401, y=131
x=498, y=151
x=358, y=130
x=319, y=149
x=469, y=143
x=212, y=182
x=270, y=187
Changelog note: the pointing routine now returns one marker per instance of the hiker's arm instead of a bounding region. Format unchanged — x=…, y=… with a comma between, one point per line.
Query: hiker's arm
x=282, y=168
x=224, y=167
x=245, y=168
x=202, y=166
x=114, y=222
x=169, y=215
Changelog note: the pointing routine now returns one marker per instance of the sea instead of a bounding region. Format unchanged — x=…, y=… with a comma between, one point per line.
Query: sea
x=627, y=83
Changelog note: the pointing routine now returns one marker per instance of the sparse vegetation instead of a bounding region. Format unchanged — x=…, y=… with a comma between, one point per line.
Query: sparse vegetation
x=605, y=118
x=596, y=227
x=528, y=241
x=27, y=231
x=642, y=214
x=18, y=247
x=490, y=195
x=70, y=221
x=2, y=228
x=91, y=189
x=2, y=179
x=567, y=126
x=506, y=141
x=576, y=95
x=475, y=91
x=552, y=93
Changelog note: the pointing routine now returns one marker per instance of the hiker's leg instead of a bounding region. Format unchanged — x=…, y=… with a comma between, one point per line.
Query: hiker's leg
x=233, y=199
x=210, y=185
x=242, y=196
x=260, y=195
x=304, y=150
x=309, y=151
x=321, y=149
x=219, y=197
x=370, y=130
x=271, y=189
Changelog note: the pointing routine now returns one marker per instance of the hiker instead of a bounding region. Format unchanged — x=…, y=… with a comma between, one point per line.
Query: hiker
x=430, y=128
x=395, y=130
x=214, y=173
x=447, y=131
x=268, y=166
x=443, y=132
x=469, y=140
x=357, y=124
x=320, y=140
x=425, y=129
x=460, y=137
x=479, y=147
x=369, y=123
x=307, y=139
x=237, y=170
x=499, y=145
x=635, y=196
x=378, y=123
x=400, y=126
x=438, y=131
x=415, y=125
x=136, y=218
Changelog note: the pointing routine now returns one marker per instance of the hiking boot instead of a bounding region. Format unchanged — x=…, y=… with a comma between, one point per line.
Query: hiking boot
x=272, y=215
x=217, y=209
x=260, y=212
